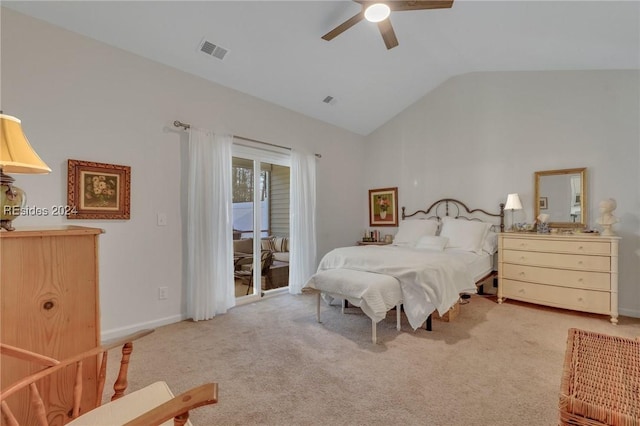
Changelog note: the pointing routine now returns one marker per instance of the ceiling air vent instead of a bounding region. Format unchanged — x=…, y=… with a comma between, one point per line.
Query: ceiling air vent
x=212, y=49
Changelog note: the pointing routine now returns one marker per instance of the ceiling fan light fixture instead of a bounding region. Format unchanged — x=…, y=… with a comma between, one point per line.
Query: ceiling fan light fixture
x=377, y=12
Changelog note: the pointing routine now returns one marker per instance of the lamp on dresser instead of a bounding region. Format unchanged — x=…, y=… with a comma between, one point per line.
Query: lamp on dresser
x=16, y=156
x=513, y=203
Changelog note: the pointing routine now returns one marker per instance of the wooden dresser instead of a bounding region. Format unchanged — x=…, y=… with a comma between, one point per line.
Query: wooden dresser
x=49, y=304
x=578, y=271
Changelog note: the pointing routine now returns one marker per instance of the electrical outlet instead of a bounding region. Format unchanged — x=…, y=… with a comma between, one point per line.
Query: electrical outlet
x=163, y=293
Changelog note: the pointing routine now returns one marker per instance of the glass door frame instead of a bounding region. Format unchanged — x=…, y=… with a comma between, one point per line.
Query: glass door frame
x=258, y=155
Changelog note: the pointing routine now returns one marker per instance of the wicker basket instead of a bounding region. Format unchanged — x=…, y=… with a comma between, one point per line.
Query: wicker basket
x=600, y=380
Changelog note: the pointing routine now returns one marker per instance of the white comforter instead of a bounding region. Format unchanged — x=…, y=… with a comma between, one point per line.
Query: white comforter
x=429, y=279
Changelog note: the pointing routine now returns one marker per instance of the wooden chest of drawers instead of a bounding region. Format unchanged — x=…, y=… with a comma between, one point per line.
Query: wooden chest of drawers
x=49, y=299
x=578, y=272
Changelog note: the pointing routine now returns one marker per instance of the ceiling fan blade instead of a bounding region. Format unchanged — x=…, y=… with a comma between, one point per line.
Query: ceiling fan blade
x=420, y=4
x=388, y=35
x=344, y=26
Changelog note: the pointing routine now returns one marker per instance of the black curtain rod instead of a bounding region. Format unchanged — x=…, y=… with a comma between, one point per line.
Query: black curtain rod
x=187, y=126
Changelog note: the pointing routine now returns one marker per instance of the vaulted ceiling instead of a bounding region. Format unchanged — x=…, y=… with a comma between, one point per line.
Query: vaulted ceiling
x=275, y=50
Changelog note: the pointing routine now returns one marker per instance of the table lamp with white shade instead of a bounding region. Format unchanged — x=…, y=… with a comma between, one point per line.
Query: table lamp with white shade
x=513, y=203
x=16, y=156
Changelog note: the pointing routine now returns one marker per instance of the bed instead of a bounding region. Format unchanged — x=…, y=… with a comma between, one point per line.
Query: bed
x=437, y=255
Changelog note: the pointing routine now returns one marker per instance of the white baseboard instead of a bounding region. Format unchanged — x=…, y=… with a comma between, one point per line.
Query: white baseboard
x=123, y=331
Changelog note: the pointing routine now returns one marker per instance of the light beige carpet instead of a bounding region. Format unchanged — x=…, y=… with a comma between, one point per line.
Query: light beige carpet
x=275, y=365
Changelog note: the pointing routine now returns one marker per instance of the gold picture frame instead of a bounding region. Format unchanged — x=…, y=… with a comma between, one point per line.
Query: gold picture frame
x=383, y=207
x=98, y=190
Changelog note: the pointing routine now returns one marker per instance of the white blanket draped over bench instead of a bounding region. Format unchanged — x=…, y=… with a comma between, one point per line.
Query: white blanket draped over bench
x=374, y=293
x=429, y=280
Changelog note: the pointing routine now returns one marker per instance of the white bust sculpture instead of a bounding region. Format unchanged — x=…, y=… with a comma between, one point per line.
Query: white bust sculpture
x=607, y=219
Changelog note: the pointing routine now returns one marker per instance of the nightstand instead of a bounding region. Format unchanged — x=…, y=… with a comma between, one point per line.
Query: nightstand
x=372, y=243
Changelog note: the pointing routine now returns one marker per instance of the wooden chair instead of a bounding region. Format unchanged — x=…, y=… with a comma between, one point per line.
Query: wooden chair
x=152, y=405
x=266, y=260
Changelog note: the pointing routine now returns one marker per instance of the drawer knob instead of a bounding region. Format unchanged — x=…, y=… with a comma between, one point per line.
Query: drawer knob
x=580, y=248
x=580, y=262
x=580, y=280
x=521, y=291
x=521, y=273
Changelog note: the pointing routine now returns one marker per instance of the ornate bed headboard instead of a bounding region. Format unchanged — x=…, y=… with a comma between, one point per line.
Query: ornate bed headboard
x=452, y=207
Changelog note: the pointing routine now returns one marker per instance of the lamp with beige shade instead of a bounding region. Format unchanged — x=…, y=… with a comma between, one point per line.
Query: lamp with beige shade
x=16, y=156
x=513, y=203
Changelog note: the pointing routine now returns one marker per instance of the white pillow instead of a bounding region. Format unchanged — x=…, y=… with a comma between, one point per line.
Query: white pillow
x=432, y=242
x=464, y=234
x=410, y=231
x=490, y=244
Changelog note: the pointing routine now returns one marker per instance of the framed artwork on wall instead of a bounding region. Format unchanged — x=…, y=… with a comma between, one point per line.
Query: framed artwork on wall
x=383, y=207
x=543, y=203
x=98, y=190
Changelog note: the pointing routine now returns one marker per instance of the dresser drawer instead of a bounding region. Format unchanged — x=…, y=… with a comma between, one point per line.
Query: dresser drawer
x=554, y=260
x=569, y=298
x=558, y=246
x=560, y=277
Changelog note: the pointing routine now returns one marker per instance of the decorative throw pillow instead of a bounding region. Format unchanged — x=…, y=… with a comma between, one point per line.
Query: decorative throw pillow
x=432, y=242
x=464, y=234
x=410, y=231
x=281, y=244
x=267, y=244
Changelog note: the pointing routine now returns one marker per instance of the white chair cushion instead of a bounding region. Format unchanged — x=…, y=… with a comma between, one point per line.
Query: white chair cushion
x=128, y=407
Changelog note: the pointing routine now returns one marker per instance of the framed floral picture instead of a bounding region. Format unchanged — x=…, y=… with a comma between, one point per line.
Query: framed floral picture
x=383, y=207
x=98, y=190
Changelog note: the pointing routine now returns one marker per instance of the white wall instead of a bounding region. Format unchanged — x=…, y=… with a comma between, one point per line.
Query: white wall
x=477, y=137
x=84, y=100
x=480, y=136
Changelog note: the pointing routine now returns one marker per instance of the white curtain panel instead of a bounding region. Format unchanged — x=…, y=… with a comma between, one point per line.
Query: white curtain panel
x=303, y=220
x=209, y=235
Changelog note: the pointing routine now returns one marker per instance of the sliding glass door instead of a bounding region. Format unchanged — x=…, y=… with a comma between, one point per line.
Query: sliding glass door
x=261, y=182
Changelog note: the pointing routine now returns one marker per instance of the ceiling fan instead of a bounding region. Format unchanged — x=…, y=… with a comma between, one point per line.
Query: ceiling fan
x=376, y=11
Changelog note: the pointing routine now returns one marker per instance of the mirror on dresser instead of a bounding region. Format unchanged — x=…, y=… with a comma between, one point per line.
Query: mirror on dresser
x=562, y=194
